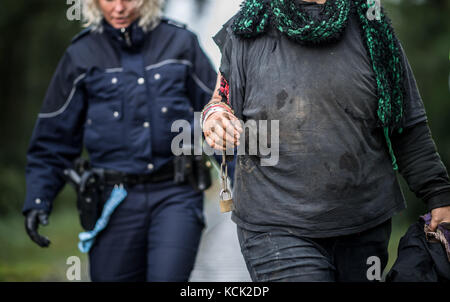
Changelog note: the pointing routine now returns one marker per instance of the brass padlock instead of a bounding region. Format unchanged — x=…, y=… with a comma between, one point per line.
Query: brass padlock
x=226, y=204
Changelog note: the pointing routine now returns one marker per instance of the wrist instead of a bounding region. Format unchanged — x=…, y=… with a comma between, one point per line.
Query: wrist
x=213, y=108
x=211, y=113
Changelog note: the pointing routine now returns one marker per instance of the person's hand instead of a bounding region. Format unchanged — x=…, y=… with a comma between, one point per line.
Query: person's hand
x=438, y=216
x=32, y=220
x=222, y=130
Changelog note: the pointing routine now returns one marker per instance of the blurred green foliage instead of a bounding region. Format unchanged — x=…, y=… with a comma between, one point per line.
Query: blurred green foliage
x=33, y=37
x=22, y=260
x=423, y=27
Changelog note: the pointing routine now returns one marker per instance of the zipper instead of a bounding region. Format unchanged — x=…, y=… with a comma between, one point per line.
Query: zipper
x=127, y=36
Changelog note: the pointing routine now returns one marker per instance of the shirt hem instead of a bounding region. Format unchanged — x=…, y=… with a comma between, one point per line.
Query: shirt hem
x=321, y=233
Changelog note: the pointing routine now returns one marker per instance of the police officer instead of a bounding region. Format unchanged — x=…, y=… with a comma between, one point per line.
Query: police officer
x=117, y=90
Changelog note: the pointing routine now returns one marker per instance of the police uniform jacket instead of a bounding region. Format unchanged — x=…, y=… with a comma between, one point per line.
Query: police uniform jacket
x=117, y=93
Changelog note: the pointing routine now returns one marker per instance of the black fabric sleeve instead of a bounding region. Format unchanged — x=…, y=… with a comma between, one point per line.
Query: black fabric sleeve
x=223, y=41
x=232, y=67
x=421, y=166
x=414, y=108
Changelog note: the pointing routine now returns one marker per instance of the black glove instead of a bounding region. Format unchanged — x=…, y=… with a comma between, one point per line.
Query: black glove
x=32, y=220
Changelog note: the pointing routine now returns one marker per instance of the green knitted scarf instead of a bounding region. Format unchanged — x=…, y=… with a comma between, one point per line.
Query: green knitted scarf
x=383, y=48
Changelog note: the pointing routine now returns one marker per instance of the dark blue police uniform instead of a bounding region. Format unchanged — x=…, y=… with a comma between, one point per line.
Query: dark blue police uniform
x=117, y=92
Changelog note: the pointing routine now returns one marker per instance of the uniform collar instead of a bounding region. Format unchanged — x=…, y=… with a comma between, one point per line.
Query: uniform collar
x=131, y=37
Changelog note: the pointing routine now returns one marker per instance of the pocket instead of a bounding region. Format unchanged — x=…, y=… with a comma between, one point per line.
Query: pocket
x=170, y=79
x=171, y=102
x=104, y=119
x=251, y=237
x=168, y=110
x=257, y=245
x=176, y=108
x=104, y=129
x=104, y=126
x=103, y=86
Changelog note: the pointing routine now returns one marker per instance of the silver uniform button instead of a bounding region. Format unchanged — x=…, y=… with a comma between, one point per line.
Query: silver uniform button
x=114, y=80
x=157, y=76
x=146, y=125
x=37, y=201
x=141, y=81
x=116, y=114
x=164, y=109
x=150, y=166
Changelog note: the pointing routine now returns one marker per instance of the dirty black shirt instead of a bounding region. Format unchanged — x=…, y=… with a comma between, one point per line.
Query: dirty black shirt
x=334, y=175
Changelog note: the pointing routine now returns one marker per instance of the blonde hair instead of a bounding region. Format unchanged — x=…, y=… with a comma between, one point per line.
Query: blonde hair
x=150, y=12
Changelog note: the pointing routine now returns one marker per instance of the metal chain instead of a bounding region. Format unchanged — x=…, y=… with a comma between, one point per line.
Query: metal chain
x=224, y=177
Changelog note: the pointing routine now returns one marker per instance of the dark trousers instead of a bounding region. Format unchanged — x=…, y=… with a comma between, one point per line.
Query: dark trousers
x=282, y=256
x=152, y=236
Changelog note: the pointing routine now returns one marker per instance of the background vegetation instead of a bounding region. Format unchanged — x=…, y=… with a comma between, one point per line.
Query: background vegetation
x=33, y=37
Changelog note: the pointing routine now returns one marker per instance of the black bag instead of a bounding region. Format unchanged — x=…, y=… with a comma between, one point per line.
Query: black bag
x=419, y=260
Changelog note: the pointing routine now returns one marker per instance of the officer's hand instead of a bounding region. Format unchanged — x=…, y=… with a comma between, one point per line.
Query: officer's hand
x=222, y=130
x=32, y=220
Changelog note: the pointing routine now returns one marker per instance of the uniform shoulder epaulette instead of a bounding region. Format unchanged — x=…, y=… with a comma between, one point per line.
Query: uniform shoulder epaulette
x=173, y=22
x=81, y=34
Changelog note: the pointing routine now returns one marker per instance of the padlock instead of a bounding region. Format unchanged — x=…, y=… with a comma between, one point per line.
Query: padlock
x=226, y=204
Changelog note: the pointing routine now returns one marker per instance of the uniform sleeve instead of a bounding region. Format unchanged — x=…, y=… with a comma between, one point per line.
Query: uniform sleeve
x=414, y=108
x=202, y=78
x=57, y=136
x=421, y=166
